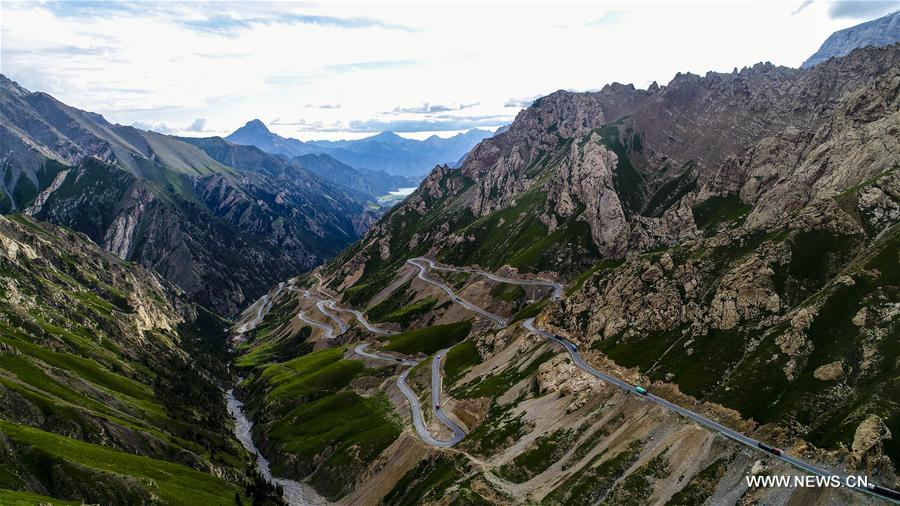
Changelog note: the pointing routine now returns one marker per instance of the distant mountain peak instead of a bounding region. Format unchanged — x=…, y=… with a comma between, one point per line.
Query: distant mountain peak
x=882, y=31
x=255, y=126
x=387, y=135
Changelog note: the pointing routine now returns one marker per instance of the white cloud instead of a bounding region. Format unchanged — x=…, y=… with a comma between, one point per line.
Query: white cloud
x=336, y=68
x=197, y=125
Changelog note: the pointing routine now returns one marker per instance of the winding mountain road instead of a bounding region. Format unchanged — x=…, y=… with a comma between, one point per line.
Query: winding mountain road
x=700, y=419
x=419, y=262
x=557, y=288
x=361, y=318
x=322, y=306
x=330, y=309
x=581, y=363
x=265, y=304
x=418, y=416
x=436, y=389
x=329, y=332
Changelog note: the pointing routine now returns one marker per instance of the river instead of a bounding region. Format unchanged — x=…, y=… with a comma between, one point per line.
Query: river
x=295, y=493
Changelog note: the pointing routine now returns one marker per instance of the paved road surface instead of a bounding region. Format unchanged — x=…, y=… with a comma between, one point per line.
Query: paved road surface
x=436, y=388
x=700, y=419
x=580, y=362
x=498, y=320
x=362, y=351
x=557, y=288
x=322, y=306
x=265, y=304
x=361, y=319
x=416, y=407
x=329, y=332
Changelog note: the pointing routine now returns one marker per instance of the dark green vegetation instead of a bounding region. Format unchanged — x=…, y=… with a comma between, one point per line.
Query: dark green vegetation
x=628, y=181
x=409, y=312
x=428, y=340
x=529, y=311
x=266, y=345
x=378, y=273
x=600, y=266
x=460, y=359
x=701, y=486
x=428, y=481
x=500, y=430
x=314, y=425
x=714, y=211
x=512, y=236
x=592, y=440
x=545, y=451
x=816, y=256
x=636, y=488
x=98, y=404
x=508, y=292
x=595, y=480
x=393, y=303
x=671, y=192
x=515, y=236
x=837, y=277
x=109, y=476
x=496, y=384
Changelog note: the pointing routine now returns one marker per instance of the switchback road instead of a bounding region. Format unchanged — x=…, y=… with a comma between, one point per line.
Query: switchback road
x=411, y=397
x=581, y=363
x=498, y=320
x=557, y=288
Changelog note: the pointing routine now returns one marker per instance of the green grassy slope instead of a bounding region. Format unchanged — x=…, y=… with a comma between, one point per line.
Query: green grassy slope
x=104, y=377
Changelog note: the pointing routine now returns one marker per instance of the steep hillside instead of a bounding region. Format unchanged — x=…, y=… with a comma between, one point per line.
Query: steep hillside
x=731, y=241
x=221, y=232
x=110, y=383
x=619, y=170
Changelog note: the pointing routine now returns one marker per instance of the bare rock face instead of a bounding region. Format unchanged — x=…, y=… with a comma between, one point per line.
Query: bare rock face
x=560, y=375
x=744, y=294
x=829, y=372
x=788, y=172
x=585, y=178
x=868, y=445
x=497, y=163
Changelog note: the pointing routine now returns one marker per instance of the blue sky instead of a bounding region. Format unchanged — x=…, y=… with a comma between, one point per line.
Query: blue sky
x=344, y=70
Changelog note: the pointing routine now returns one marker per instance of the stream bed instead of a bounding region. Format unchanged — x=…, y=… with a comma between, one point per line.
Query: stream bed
x=295, y=493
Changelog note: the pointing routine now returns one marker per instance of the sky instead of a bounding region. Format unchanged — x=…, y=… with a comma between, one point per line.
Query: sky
x=347, y=70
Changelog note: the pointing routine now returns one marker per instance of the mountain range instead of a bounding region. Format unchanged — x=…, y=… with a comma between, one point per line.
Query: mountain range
x=222, y=221
x=729, y=241
x=628, y=296
x=385, y=152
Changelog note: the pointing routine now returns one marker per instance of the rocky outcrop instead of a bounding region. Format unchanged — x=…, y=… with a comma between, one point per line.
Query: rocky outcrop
x=829, y=372
x=584, y=182
x=868, y=446
x=560, y=376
